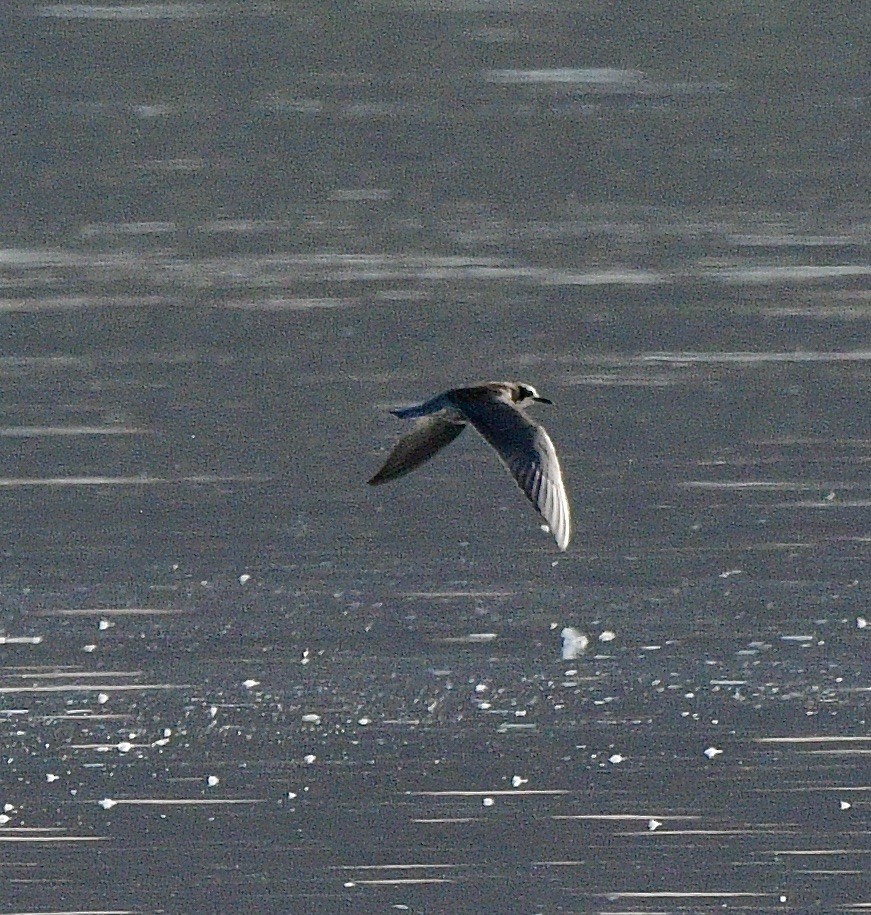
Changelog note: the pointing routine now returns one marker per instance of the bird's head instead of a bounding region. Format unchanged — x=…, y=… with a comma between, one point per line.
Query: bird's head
x=525, y=392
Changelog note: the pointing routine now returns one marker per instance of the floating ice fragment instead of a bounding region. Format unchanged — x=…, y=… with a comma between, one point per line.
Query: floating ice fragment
x=104, y=625
x=607, y=636
x=309, y=759
x=4, y=819
x=250, y=684
x=711, y=752
x=861, y=622
x=107, y=803
x=574, y=643
x=616, y=758
x=89, y=648
x=125, y=746
x=488, y=802
x=102, y=698
x=8, y=808
x=311, y=719
x=243, y=578
x=212, y=780
x=845, y=805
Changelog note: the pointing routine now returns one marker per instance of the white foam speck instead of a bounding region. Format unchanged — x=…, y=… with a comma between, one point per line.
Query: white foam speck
x=607, y=636
x=243, y=578
x=250, y=684
x=574, y=643
x=653, y=825
x=488, y=802
x=212, y=780
x=711, y=752
x=107, y=803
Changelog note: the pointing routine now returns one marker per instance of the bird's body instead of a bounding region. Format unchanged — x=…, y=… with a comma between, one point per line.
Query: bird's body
x=496, y=411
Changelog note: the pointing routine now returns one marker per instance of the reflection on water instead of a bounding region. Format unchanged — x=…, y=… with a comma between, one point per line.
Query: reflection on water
x=234, y=677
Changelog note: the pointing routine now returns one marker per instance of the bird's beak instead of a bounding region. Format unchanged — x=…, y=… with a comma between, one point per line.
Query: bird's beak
x=542, y=400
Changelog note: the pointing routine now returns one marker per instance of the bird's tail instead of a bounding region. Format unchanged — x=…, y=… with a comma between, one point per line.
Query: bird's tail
x=409, y=412
x=421, y=409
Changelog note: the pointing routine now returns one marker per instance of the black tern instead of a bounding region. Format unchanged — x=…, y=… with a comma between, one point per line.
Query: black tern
x=496, y=410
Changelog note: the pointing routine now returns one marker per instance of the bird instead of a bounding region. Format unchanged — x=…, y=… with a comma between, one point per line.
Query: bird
x=496, y=410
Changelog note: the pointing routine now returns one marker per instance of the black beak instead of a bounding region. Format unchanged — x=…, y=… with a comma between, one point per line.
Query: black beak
x=542, y=400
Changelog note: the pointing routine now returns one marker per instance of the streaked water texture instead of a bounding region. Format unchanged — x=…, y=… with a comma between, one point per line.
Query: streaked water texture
x=232, y=677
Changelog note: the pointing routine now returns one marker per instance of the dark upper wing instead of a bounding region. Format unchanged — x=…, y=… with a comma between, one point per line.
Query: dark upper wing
x=428, y=436
x=527, y=451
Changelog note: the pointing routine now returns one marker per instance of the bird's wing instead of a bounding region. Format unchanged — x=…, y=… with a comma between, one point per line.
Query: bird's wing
x=527, y=451
x=428, y=436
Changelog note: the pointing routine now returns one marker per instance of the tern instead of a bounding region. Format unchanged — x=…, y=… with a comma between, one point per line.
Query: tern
x=496, y=410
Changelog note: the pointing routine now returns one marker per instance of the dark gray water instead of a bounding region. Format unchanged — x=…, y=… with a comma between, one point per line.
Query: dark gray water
x=235, y=678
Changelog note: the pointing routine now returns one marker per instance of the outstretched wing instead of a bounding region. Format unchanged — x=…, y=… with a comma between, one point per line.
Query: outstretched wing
x=527, y=451
x=428, y=436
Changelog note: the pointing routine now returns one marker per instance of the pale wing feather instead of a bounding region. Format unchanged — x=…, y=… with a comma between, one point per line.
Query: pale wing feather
x=528, y=453
x=429, y=436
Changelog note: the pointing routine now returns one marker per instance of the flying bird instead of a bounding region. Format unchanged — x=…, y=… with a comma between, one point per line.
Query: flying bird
x=497, y=412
